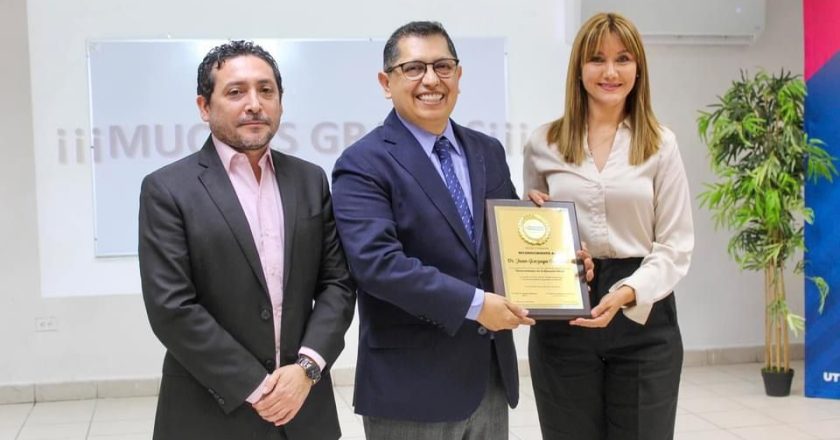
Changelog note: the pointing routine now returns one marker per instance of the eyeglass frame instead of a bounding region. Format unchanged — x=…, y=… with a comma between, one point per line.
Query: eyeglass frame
x=426, y=68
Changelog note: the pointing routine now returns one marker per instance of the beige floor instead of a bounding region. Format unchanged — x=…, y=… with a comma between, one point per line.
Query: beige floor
x=716, y=403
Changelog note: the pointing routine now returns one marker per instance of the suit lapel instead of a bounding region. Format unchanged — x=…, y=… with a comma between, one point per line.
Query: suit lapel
x=407, y=151
x=478, y=178
x=217, y=183
x=288, y=197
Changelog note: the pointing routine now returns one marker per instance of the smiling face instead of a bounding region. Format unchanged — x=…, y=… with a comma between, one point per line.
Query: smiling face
x=426, y=102
x=609, y=74
x=244, y=109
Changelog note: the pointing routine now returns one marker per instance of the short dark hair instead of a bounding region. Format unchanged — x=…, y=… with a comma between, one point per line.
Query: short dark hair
x=232, y=49
x=413, y=29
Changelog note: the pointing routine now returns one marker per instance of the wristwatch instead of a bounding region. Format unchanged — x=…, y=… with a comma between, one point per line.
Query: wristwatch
x=310, y=368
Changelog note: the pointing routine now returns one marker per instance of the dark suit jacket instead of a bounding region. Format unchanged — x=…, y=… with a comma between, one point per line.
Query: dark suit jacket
x=417, y=270
x=207, y=300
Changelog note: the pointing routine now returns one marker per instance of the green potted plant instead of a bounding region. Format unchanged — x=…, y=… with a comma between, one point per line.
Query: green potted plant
x=762, y=156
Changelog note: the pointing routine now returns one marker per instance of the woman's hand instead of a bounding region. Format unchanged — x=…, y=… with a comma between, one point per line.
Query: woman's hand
x=605, y=311
x=538, y=197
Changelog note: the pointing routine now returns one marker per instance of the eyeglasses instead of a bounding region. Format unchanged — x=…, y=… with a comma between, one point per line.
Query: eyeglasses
x=414, y=70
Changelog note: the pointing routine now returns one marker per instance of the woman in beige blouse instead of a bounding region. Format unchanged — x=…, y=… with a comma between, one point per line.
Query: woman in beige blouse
x=614, y=375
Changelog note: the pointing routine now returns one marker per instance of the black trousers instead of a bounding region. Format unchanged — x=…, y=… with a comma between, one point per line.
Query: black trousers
x=616, y=383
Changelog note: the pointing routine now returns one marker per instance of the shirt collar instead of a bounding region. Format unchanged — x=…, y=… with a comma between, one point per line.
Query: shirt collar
x=427, y=140
x=227, y=153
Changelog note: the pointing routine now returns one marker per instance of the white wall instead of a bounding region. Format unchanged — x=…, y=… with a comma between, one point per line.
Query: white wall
x=719, y=305
x=108, y=337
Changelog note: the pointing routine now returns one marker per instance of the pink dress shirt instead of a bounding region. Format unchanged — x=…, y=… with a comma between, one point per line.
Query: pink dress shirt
x=261, y=202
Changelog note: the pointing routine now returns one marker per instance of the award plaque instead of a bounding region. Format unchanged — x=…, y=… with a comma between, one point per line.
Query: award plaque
x=532, y=250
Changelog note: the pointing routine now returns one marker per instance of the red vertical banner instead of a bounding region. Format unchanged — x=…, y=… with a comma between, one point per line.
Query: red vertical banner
x=822, y=239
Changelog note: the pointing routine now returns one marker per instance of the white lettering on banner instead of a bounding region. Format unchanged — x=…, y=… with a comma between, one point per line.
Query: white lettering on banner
x=162, y=142
x=829, y=376
x=125, y=142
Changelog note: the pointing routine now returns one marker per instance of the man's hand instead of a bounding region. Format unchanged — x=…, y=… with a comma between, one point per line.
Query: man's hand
x=498, y=313
x=588, y=265
x=606, y=310
x=290, y=389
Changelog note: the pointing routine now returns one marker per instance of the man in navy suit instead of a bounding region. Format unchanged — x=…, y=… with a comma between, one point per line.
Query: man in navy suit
x=436, y=355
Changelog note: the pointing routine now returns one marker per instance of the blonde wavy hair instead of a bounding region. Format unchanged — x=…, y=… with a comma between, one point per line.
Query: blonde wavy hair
x=568, y=131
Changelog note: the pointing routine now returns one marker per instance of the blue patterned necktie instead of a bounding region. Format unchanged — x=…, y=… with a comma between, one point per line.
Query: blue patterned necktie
x=441, y=148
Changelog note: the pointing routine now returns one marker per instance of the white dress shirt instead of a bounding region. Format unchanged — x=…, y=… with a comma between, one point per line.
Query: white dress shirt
x=624, y=210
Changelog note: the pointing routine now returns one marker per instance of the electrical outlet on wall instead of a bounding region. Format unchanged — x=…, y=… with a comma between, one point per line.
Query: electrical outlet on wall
x=46, y=324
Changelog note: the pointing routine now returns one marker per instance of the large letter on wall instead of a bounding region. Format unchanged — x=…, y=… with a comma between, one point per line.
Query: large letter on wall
x=822, y=121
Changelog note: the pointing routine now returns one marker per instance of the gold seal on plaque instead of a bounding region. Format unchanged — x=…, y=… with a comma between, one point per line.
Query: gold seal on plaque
x=534, y=229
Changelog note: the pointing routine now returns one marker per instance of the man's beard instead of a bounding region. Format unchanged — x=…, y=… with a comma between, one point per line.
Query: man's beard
x=240, y=144
x=232, y=138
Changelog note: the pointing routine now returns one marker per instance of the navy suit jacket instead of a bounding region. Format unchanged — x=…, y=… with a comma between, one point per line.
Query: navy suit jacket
x=417, y=271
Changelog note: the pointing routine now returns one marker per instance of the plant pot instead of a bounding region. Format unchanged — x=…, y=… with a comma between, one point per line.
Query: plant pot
x=777, y=383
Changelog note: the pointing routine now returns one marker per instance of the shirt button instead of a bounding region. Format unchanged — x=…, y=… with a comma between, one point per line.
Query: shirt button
x=265, y=315
x=269, y=364
x=482, y=331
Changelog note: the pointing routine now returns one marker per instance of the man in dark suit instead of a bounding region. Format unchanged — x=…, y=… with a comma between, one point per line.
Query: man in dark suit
x=436, y=355
x=244, y=278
